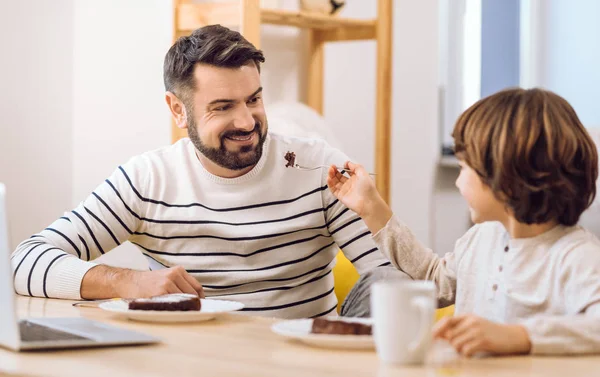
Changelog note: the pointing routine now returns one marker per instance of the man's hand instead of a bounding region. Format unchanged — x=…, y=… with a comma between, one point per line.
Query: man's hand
x=135, y=284
x=108, y=282
x=470, y=334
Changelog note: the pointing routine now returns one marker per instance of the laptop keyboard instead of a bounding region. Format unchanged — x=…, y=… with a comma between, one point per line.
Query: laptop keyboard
x=32, y=332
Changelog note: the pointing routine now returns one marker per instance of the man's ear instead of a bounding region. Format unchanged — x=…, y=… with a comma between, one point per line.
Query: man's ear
x=177, y=109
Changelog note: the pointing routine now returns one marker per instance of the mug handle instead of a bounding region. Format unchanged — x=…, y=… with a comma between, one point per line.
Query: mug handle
x=426, y=310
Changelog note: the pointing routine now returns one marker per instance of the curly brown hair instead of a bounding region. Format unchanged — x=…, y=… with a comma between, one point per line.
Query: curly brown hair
x=531, y=149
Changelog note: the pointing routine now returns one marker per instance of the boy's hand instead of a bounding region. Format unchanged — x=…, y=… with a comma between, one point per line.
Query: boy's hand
x=358, y=192
x=470, y=334
x=354, y=192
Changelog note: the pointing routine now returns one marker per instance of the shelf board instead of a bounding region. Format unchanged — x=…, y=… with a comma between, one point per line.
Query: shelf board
x=192, y=16
x=311, y=20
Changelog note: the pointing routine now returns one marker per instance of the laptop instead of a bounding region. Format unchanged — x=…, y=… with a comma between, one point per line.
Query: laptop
x=49, y=333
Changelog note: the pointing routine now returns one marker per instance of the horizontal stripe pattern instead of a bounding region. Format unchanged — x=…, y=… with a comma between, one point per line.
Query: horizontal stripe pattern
x=229, y=209
x=288, y=305
x=269, y=241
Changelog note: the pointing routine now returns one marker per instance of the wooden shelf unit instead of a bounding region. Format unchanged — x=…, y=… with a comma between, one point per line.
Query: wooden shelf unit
x=247, y=17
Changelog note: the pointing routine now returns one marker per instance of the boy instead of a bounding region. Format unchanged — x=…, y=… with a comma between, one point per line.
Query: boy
x=525, y=278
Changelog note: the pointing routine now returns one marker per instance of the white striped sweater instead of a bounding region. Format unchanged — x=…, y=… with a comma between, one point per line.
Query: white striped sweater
x=268, y=238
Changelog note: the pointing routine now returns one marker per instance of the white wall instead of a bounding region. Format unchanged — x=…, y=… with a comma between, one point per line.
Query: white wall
x=118, y=102
x=415, y=114
x=118, y=92
x=349, y=86
x=35, y=107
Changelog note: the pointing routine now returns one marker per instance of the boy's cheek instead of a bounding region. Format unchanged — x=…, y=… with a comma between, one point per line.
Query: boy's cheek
x=466, y=194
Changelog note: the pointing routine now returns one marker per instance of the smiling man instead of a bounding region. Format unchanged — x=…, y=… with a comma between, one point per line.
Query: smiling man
x=217, y=213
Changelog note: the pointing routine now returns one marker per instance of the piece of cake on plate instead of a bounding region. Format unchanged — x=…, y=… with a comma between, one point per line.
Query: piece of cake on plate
x=325, y=326
x=169, y=302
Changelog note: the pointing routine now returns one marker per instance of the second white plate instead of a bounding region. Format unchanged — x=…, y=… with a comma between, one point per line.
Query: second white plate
x=300, y=329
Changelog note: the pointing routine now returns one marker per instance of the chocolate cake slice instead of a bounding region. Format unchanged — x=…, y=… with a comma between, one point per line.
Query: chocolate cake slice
x=170, y=302
x=326, y=326
x=290, y=157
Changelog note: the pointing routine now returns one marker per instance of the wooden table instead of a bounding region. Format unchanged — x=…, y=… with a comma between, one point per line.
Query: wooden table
x=238, y=345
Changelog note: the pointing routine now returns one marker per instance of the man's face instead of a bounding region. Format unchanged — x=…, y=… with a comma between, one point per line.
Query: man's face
x=226, y=118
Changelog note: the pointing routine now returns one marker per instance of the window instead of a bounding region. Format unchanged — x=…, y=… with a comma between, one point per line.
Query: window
x=489, y=45
x=480, y=44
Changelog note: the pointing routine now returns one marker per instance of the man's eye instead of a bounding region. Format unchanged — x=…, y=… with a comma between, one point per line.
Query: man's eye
x=223, y=108
x=254, y=100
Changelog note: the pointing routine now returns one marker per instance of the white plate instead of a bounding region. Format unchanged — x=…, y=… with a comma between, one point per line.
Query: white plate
x=209, y=310
x=300, y=329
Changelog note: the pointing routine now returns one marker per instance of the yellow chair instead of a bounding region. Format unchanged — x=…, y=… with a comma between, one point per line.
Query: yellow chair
x=345, y=276
x=448, y=311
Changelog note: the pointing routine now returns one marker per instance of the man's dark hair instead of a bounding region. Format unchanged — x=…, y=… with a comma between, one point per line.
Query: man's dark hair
x=214, y=45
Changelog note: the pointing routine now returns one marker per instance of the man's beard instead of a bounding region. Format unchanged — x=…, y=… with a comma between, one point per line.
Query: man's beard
x=245, y=157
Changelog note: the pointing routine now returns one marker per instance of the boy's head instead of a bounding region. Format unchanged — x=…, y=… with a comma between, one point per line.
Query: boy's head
x=524, y=153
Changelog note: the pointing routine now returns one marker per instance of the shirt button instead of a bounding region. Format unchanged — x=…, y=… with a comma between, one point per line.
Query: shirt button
x=506, y=248
x=500, y=268
x=495, y=287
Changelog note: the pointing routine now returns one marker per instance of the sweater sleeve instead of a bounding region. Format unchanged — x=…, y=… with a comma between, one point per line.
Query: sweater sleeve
x=407, y=254
x=53, y=262
x=578, y=330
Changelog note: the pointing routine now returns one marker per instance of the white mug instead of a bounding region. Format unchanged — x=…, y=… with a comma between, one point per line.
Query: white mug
x=403, y=313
